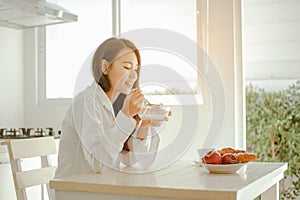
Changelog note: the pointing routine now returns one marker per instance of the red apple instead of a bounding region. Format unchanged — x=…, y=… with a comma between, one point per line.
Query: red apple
x=213, y=157
x=229, y=158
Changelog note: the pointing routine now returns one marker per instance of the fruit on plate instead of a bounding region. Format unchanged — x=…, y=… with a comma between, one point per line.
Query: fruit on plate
x=228, y=155
x=229, y=158
x=246, y=157
x=212, y=157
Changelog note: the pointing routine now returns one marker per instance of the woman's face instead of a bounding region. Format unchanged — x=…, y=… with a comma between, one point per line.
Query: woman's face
x=123, y=72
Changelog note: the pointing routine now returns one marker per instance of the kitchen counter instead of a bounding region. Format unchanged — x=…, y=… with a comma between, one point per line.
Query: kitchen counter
x=182, y=180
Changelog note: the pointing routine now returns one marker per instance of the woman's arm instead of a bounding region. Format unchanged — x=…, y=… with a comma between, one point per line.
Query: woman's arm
x=141, y=150
x=102, y=141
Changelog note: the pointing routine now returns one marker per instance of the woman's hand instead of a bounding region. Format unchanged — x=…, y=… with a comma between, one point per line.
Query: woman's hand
x=133, y=102
x=143, y=129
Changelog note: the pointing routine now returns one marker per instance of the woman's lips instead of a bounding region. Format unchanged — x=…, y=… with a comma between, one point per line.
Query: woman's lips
x=129, y=84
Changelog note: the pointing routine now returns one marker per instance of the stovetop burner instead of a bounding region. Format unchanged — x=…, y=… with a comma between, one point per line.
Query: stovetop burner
x=23, y=133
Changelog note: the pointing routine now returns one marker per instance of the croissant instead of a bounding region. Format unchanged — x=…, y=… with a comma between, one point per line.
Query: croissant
x=230, y=150
x=240, y=151
x=246, y=157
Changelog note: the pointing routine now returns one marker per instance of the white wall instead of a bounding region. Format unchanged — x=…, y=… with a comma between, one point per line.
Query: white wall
x=272, y=42
x=11, y=78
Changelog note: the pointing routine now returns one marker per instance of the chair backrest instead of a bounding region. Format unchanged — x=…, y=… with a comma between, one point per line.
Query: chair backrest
x=19, y=149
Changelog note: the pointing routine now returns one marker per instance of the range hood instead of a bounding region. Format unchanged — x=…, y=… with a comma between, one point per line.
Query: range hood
x=20, y=14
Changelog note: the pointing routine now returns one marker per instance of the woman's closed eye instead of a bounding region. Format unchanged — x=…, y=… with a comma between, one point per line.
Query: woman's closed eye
x=131, y=68
x=127, y=67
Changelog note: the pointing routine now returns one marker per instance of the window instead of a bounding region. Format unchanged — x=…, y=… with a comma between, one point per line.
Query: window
x=68, y=45
x=174, y=15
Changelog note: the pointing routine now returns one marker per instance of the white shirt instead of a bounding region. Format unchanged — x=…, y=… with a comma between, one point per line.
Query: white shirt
x=93, y=137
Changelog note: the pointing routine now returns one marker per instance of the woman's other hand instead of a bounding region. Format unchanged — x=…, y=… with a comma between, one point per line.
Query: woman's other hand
x=143, y=129
x=133, y=103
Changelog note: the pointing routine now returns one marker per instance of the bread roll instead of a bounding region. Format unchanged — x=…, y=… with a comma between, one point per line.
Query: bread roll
x=246, y=157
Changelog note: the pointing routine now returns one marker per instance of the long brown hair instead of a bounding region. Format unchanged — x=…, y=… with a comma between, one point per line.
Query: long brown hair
x=108, y=51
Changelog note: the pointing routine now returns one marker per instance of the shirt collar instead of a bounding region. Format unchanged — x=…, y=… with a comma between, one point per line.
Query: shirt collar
x=102, y=97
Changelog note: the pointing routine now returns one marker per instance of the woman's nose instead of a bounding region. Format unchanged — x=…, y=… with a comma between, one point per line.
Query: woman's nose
x=133, y=75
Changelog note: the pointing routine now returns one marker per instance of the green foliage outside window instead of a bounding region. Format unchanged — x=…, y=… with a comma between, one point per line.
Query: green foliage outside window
x=273, y=131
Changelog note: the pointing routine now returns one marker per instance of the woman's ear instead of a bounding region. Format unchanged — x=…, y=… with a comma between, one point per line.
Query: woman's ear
x=104, y=66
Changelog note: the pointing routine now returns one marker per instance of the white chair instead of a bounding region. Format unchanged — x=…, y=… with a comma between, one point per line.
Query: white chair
x=27, y=148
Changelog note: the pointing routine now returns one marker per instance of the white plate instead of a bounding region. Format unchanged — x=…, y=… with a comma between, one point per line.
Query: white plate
x=223, y=168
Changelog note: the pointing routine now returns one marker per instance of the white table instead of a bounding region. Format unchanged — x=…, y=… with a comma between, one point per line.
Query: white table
x=182, y=180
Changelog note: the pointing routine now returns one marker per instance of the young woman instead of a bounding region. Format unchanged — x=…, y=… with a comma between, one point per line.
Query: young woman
x=100, y=127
